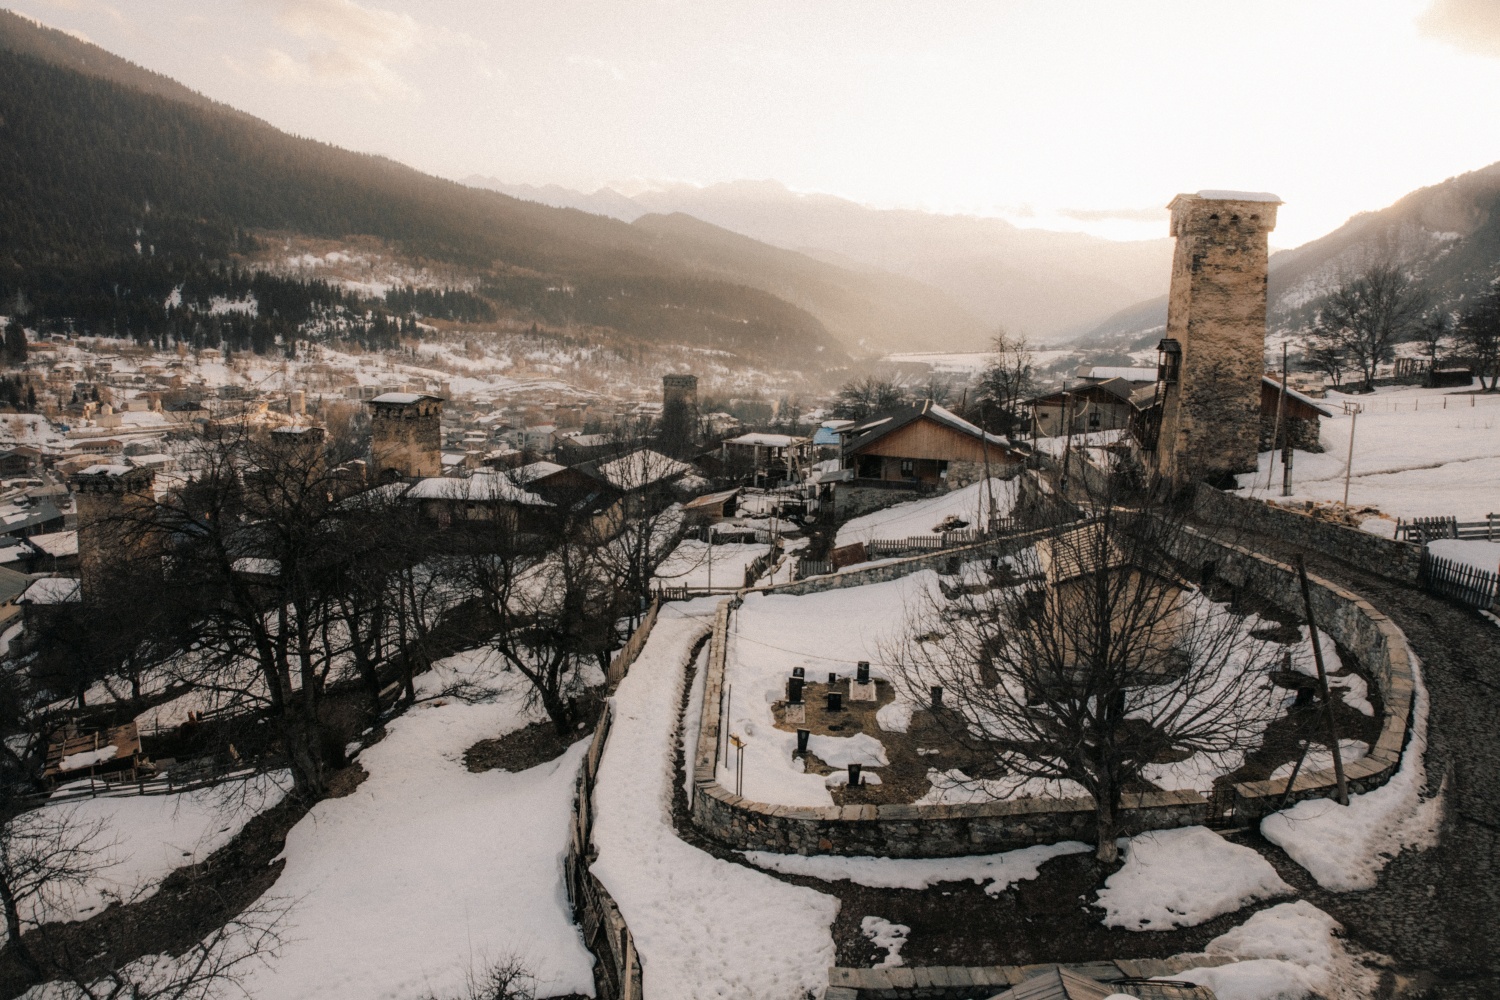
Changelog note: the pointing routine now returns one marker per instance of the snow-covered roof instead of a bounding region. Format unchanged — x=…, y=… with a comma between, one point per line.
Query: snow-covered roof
x=50, y=590
x=482, y=487
x=57, y=544
x=404, y=398
x=640, y=469
x=257, y=566
x=107, y=470
x=767, y=440
x=1239, y=196
x=536, y=470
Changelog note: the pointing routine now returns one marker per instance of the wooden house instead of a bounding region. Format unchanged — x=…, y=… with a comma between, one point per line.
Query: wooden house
x=924, y=444
x=113, y=753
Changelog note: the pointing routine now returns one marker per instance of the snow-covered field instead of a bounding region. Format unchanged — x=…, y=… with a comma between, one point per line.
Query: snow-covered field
x=427, y=870
x=704, y=927
x=1412, y=457
x=1180, y=878
x=144, y=838
x=922, y=517
x=694, y=564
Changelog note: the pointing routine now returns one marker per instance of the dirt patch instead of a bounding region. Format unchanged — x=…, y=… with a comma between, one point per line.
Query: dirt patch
x=535, y=744
x=192, y=901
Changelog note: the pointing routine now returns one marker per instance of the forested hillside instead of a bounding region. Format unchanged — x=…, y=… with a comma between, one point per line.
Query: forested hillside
x=99, y=176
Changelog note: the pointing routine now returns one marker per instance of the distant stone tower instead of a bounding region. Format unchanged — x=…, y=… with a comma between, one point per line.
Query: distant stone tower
x=679, y=413
x=408, y=436
x=112, y=503
x=1213, y=355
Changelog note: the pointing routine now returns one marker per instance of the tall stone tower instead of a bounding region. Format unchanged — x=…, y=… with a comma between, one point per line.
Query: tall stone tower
x=112, y=503
x=679, y=413
x=407, y=436
x=1213, y=354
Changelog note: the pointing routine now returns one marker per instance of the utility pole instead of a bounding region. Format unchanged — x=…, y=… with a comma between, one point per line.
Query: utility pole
x=1349, y=462
x=989, y=488
x=1068, y=441
x=1276, y=429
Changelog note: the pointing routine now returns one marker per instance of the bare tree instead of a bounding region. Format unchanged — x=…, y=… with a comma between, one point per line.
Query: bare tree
x=1087, y=660
x=859, y=398
x=1432, y=332
x=46, y=854
x=1325, y=352
x=1479, y=338
x=1369, y=312
x=1008, y=379
x=506, y=979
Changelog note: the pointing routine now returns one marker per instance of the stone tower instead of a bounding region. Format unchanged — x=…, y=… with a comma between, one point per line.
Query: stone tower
x=679, y=414
x=1213, y=353
x=113, y=501
x=408, y=436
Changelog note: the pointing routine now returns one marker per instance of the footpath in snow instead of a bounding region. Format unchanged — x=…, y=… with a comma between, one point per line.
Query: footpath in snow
x=703, y=927
x=427, y=869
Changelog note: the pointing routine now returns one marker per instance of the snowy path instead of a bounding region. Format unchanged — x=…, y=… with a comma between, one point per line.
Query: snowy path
x=704, y=927
x=427, y=868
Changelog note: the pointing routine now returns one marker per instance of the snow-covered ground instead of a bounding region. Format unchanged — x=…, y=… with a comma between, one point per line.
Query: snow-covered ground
x=1180, y=878
x=922, y=517
x=1412, y=457
x=427, y=870
x=996, y=872
x=1345, y=847
x=694, y=563
x=1286, y=951
x=824, y=633
x=144, y=838
x=1469, y=551
x=704, y=927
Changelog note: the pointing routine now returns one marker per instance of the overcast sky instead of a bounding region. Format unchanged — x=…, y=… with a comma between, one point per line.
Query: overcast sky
x=1086, y=115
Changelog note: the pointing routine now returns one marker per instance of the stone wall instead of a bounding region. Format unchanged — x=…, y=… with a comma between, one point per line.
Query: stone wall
x=851, y=500
x=1382, y=556
x=1304, y=435
x=895, y=569
x=1355, y=624
x=909, y=831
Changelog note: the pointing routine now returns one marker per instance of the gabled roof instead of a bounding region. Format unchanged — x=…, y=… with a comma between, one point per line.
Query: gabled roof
x=1057, y=984
x=1299, y=397
x=482, y=487
x=640, y=469
x=878, y=425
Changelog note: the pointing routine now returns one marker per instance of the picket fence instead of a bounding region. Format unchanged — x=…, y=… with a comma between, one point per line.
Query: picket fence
x=1459, y=581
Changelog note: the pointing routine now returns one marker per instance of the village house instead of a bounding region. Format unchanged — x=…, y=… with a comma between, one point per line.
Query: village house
x=924, y=445
x=1111, y=404
x=769, y=460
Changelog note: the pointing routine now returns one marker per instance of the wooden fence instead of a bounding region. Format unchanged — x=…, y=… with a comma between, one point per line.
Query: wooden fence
x=605, y=932
x=1427, y=529
x=1463, y=583
x=170, y=783
x=886, y=548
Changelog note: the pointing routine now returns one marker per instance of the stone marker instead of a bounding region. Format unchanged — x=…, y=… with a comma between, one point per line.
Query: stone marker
x=802, y=737
x=862, y=688
x=835, y=702
x=855, y=779
x=937, y=696
x=794, y=690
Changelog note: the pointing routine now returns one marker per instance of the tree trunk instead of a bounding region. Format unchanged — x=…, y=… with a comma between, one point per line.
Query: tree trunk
x=13, y=928
x=1106, y=820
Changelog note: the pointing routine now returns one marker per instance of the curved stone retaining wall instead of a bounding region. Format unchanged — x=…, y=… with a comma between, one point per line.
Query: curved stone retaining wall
x=910, y=831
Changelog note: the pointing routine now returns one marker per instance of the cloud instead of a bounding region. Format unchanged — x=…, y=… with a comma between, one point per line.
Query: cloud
x=1469, y=25
x=347, y=43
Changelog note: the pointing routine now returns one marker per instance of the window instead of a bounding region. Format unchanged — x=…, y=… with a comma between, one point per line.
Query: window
x=908, y=468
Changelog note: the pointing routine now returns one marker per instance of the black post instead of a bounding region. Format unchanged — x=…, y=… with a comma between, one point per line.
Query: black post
x=833, y=678
x=794, y=690
x=855, y=778
x=1333, y=732
x=802, y=737
x=937, y=696
x=863, y=676
x=835, y=702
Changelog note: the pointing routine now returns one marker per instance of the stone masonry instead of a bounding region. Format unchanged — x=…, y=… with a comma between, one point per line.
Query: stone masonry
x=112, y=501
x=1216, y=314
x=407, y=440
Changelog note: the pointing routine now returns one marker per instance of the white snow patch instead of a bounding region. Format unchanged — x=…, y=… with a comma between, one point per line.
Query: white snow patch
x=1287, y=952
x=1182, y=877
x=428, y=868
x=884, y=934
x=1001, y=871
x=922, y=517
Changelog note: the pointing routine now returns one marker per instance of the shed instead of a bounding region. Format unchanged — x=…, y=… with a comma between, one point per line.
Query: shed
x=1060, y=983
